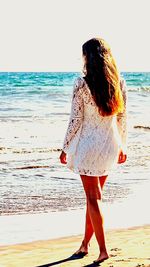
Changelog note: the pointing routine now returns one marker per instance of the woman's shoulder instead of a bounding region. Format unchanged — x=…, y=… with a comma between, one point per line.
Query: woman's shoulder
x=79, y=82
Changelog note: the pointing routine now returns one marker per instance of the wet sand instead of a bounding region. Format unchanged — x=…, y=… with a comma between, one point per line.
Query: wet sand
x=126, y=247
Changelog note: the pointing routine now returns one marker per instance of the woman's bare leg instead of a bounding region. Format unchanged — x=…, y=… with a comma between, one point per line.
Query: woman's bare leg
x=92, y=187
x=102, y=180
x=88, y=233
x=88, y=224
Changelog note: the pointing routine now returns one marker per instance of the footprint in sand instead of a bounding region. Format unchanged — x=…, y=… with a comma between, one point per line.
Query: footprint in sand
x=141, y=265
x=122, y=260
x=115, y=249
x=113, y=255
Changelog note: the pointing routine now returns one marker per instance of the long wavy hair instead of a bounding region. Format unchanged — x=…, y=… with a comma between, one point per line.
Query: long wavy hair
x=102, y=77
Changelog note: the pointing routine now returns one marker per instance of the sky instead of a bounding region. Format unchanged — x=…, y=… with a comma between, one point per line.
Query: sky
x=47, y=35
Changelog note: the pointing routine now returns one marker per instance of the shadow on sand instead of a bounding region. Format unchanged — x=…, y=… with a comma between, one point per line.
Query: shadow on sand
x=56, y=262
x=71, y=258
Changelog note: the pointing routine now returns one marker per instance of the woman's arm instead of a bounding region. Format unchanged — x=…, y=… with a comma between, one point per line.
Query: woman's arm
x=122, y=118
x=76, y=115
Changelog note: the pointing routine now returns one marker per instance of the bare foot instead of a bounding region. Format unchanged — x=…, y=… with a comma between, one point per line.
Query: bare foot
x=102, y=257
x=83, y=248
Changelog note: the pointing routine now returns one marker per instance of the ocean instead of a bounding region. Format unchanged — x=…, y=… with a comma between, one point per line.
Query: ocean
x=34, y=115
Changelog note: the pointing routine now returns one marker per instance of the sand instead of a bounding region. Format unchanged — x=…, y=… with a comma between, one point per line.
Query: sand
x=126, y=247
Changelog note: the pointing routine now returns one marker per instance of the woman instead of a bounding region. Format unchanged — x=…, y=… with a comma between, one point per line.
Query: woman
x=96, y=136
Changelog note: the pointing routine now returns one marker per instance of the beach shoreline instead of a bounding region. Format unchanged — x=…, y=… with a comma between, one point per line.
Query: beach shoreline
x=126, y=247
x=17, y=229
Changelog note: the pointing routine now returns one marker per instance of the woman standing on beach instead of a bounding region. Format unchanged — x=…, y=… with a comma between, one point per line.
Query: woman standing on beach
x=96, y=136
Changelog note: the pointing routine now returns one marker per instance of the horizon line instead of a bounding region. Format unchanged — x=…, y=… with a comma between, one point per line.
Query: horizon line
x=61, y=71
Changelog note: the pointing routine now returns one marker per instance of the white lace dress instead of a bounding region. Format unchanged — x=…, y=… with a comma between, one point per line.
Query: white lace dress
x=92, y=142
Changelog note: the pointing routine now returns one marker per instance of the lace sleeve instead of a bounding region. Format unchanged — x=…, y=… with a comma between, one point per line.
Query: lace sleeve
x=76, y=115
x=122, y=117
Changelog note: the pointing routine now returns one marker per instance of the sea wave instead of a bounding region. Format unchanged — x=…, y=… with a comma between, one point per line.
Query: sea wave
x=139, y=88
x=32, y=167
x=28, y=151
x=142, y=127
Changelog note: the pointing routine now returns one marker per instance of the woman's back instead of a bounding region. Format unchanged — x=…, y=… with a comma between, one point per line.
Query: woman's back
x=91, y=138
x=91, y=111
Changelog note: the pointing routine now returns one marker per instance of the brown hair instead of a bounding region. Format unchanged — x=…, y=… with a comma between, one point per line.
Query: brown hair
x=102, y=77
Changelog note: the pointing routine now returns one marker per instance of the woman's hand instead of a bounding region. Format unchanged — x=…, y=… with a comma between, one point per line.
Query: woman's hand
x=63, y=157
x=122, y=157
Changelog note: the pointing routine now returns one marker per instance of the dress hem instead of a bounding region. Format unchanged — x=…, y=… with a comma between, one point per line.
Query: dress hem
x=89, y=174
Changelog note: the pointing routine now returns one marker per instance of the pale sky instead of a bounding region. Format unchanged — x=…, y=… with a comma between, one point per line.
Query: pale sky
x=47, y=35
